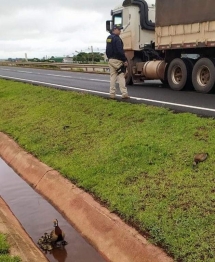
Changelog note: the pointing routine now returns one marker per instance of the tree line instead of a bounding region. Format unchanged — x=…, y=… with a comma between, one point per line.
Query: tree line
x=81, y=57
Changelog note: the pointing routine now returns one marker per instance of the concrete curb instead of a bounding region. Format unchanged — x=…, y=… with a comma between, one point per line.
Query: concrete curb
x=115, y=240
x=20, y=243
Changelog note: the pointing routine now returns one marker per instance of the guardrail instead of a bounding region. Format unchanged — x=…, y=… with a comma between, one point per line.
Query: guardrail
x=97, y=68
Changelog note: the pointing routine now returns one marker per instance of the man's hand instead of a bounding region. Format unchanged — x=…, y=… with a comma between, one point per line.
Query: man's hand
x=126, y=63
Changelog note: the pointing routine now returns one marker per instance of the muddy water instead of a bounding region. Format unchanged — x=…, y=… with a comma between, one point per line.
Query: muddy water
x=36, y=216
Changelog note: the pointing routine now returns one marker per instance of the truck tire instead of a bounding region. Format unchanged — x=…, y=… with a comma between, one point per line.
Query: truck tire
x=203, y=76
x=179, y=74
x=189, y=85
x=128, y=73
x=165, y=80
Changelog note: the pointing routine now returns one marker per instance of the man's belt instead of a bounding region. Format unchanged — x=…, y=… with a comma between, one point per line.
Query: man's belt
x=113, y=57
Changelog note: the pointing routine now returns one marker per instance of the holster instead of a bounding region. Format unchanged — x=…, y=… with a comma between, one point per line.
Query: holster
x=120, y=70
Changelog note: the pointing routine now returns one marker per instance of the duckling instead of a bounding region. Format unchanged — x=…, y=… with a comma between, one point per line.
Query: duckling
x=41, y=240
x=46, y=237
x=200, y=158
x=57, y=234
x=44, y=247
x=49, y=247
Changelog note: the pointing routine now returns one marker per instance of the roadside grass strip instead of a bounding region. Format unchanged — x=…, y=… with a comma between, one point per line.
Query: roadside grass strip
x=4, y=251
x=135, y=159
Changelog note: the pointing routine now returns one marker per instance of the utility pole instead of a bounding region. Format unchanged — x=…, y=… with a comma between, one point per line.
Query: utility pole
x=92, y=54
x=26, y=57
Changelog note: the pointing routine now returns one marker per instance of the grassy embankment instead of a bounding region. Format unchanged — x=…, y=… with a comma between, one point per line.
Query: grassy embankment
x=136, y=159
x=4, y=250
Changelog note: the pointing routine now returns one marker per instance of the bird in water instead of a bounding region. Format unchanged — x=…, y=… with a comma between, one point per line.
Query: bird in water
x=47, y=242
x=199, y=158
x=57, y=235
x=44, y=243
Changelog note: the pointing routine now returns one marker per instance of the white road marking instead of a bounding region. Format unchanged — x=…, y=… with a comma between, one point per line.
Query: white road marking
x=81, y=78
x=105, y=93
x=58, y=75
x=24, y=72
x=175, y=104
x=108, y=81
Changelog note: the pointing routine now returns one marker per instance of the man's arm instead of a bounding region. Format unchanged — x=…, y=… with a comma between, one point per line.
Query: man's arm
x=119, y=49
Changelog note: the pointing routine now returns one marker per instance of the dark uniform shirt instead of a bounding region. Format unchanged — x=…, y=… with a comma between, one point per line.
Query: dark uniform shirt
x=114, y=48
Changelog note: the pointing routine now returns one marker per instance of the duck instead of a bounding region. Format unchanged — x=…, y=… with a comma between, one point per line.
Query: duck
x=57, y=235
x=200, y=157
x=55, y=239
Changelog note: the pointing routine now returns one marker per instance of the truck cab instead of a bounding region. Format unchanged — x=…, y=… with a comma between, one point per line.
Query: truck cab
x=138, y=35
x=138, y=21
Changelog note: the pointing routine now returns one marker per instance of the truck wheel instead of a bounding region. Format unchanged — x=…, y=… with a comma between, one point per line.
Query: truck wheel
x=179, y=74
x=128, y=74
x=203, y=76
x=165, y=80
x=189, y=85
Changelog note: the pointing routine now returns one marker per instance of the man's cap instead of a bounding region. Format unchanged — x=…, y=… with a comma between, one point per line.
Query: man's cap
x=117, y=27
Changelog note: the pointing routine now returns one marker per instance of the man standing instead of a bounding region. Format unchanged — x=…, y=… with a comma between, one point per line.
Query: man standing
x=117, y=62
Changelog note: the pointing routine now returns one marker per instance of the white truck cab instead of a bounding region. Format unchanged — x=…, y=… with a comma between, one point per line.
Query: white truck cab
x=138, y=30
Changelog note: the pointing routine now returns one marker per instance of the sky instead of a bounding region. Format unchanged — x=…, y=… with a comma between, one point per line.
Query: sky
x=45, y=28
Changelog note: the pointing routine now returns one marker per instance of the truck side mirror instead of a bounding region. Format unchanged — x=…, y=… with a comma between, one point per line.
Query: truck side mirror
x=108, y=26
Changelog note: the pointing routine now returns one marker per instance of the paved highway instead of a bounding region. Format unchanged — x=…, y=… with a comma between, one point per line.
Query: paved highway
x=150, y=92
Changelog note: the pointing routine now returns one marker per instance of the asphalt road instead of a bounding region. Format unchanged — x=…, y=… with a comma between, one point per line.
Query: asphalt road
x=150, y=92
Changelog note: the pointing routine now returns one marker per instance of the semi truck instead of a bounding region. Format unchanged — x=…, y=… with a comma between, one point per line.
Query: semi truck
x=172, y=41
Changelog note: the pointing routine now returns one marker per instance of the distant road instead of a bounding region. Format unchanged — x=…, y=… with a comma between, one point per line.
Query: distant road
x=150, y=92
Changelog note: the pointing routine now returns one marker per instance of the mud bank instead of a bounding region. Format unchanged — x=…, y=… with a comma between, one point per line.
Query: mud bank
x=115, y=240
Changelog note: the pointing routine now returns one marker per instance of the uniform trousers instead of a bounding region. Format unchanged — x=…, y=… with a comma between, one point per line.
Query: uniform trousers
x=115, y=64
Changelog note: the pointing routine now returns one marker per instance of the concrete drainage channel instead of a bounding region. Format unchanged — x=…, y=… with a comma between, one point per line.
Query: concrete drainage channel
x=36, y=216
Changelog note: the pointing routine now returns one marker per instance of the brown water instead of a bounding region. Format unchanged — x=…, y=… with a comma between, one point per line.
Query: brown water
x=36, y=216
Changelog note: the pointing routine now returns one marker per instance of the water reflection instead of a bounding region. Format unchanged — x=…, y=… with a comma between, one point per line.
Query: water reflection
x=60, y=254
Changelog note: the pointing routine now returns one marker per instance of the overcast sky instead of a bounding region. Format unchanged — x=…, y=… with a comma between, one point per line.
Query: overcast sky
x=43, y=28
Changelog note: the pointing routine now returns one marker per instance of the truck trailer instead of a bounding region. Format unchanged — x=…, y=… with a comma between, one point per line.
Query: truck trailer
x=172, y=41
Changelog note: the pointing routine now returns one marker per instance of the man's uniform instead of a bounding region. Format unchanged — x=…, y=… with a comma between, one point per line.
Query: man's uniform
x=116, y=58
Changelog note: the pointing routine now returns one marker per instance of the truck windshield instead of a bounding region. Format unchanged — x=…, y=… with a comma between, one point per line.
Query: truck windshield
x=117, y=19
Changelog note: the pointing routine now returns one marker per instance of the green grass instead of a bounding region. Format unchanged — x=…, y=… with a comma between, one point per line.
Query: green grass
x=135, y=159
x=4, y=250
